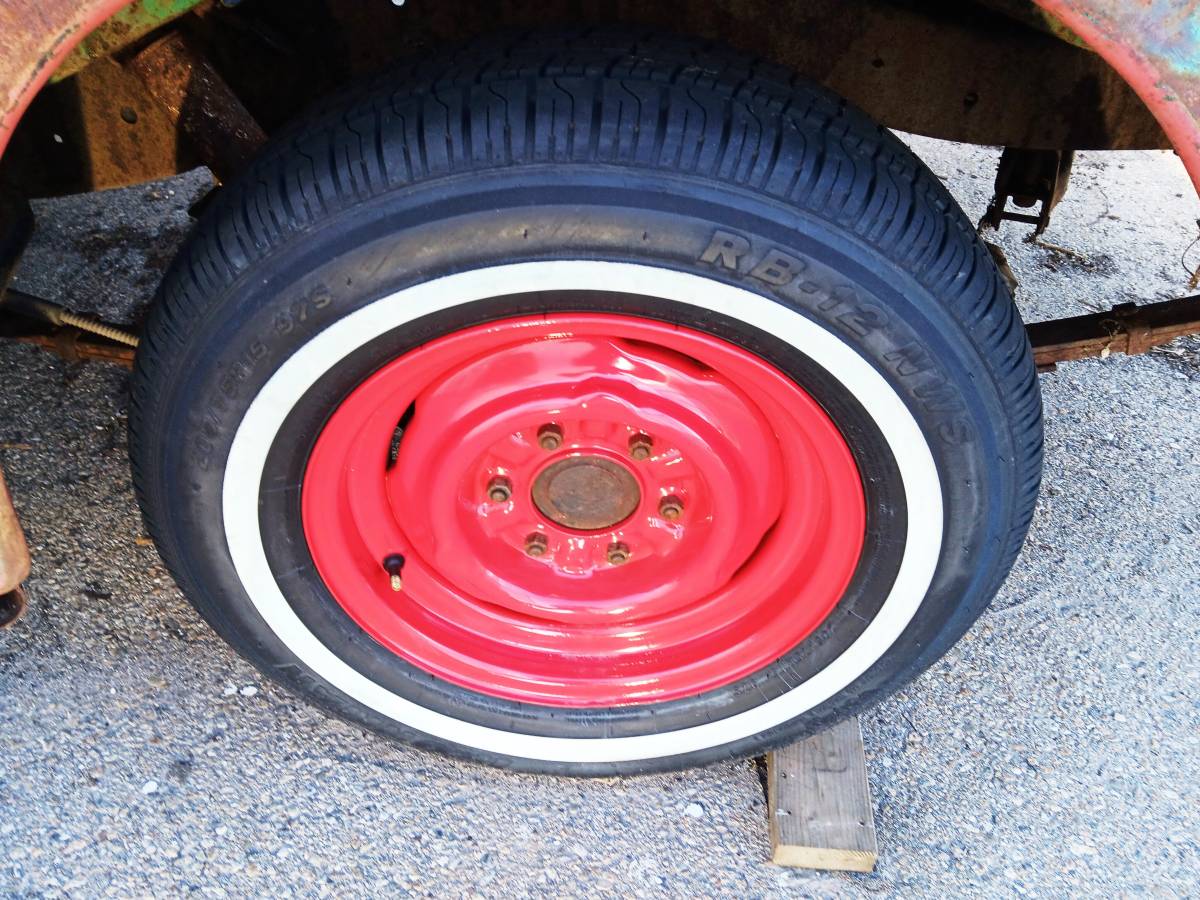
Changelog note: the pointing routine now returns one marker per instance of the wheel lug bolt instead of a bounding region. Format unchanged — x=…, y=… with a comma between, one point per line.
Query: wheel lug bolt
x=535, y=544
x=550, y=437
x=670, y=508
x=499, y=490
x=641, y=446
x=618, y=553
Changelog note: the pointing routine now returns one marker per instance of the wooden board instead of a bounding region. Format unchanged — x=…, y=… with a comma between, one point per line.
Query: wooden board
x=819, y=802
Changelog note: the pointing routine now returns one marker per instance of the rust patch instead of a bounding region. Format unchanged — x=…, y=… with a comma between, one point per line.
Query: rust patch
x=14, y=557
x=586, y=493
x=1155, y=46
x=38, y=34
x=205, y=108
x=1128, y=328
x=127, y=26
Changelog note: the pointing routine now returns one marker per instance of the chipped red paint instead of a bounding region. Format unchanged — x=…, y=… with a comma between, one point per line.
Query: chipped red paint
x=1155, y=46
x=37, y=36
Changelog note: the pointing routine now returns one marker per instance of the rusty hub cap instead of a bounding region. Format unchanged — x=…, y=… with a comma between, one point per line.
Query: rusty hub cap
x=586, y=493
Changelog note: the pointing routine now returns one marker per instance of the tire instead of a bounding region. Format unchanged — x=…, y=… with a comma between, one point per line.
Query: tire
x=461, y=233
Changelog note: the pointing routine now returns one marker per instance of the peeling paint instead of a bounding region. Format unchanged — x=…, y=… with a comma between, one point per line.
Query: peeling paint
x=38, y=35
x=121, y=30
x=1155, y=46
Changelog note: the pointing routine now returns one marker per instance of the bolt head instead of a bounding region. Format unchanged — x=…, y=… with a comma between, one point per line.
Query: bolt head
x=618, y=554
x=641, y=446
x=671, y=508
x=535, y=545
x=550, y=437
x=499, y=490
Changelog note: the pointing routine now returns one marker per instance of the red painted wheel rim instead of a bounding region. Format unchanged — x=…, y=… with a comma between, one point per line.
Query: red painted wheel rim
x=768, y=532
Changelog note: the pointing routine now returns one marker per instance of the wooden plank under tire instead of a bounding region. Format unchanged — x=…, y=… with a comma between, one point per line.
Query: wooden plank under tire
x=819, y=802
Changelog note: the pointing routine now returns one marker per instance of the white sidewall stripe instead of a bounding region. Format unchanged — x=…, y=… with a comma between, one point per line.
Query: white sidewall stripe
x=258, y=430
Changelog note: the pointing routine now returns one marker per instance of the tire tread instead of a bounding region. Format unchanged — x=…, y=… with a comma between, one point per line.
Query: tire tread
x=615, y=97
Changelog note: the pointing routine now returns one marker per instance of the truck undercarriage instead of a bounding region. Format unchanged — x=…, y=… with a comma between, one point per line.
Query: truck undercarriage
x=704, y=198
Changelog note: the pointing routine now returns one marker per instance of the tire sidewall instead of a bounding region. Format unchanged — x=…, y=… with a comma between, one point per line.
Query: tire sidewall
x=409, y=236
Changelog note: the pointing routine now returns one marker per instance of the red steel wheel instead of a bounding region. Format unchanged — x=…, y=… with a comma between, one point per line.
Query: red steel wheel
x=584, y=510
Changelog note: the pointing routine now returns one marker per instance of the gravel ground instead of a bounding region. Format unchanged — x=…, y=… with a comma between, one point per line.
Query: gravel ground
x=1055, y=751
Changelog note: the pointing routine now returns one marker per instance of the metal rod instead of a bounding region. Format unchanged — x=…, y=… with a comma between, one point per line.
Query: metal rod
x=1128, y=328
x=29, y=305
x=73, y=345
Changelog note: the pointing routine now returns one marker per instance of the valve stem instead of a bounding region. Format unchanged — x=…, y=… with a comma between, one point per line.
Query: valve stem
x=393, y=565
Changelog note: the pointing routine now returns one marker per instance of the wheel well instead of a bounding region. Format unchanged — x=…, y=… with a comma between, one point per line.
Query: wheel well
x=989, y=72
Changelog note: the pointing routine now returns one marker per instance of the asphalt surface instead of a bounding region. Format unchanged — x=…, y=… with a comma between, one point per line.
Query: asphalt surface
x=1055, y=751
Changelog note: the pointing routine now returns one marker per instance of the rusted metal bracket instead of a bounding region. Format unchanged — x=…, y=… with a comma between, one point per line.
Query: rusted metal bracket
x=1029, y=177
x=225, y=135
x=14, y=560
x=126, y=27
x=94, y=340
x=1127, y=328
x=74, y=345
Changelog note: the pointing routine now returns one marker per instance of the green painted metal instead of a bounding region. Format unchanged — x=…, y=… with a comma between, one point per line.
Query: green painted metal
x=131, y=23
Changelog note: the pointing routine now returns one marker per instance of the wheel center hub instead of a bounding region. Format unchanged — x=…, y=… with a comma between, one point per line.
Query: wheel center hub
x=586, y=493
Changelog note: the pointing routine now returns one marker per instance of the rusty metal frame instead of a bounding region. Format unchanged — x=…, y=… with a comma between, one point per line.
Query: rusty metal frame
x=73, y=345
x=1128, y=328
x=125, y=27
x=1029, y=178
x=195, y=96
x=39, y=35
x=1155, y=46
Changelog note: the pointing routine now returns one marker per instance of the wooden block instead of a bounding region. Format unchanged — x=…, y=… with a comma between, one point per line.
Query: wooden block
x=819, y=802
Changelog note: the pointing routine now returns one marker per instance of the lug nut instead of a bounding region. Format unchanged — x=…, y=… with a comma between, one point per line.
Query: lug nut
x=550, y=437
x=640, y=446
x=535, y=544
x=499, y=490
x=618, y=554
x=670, y=508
